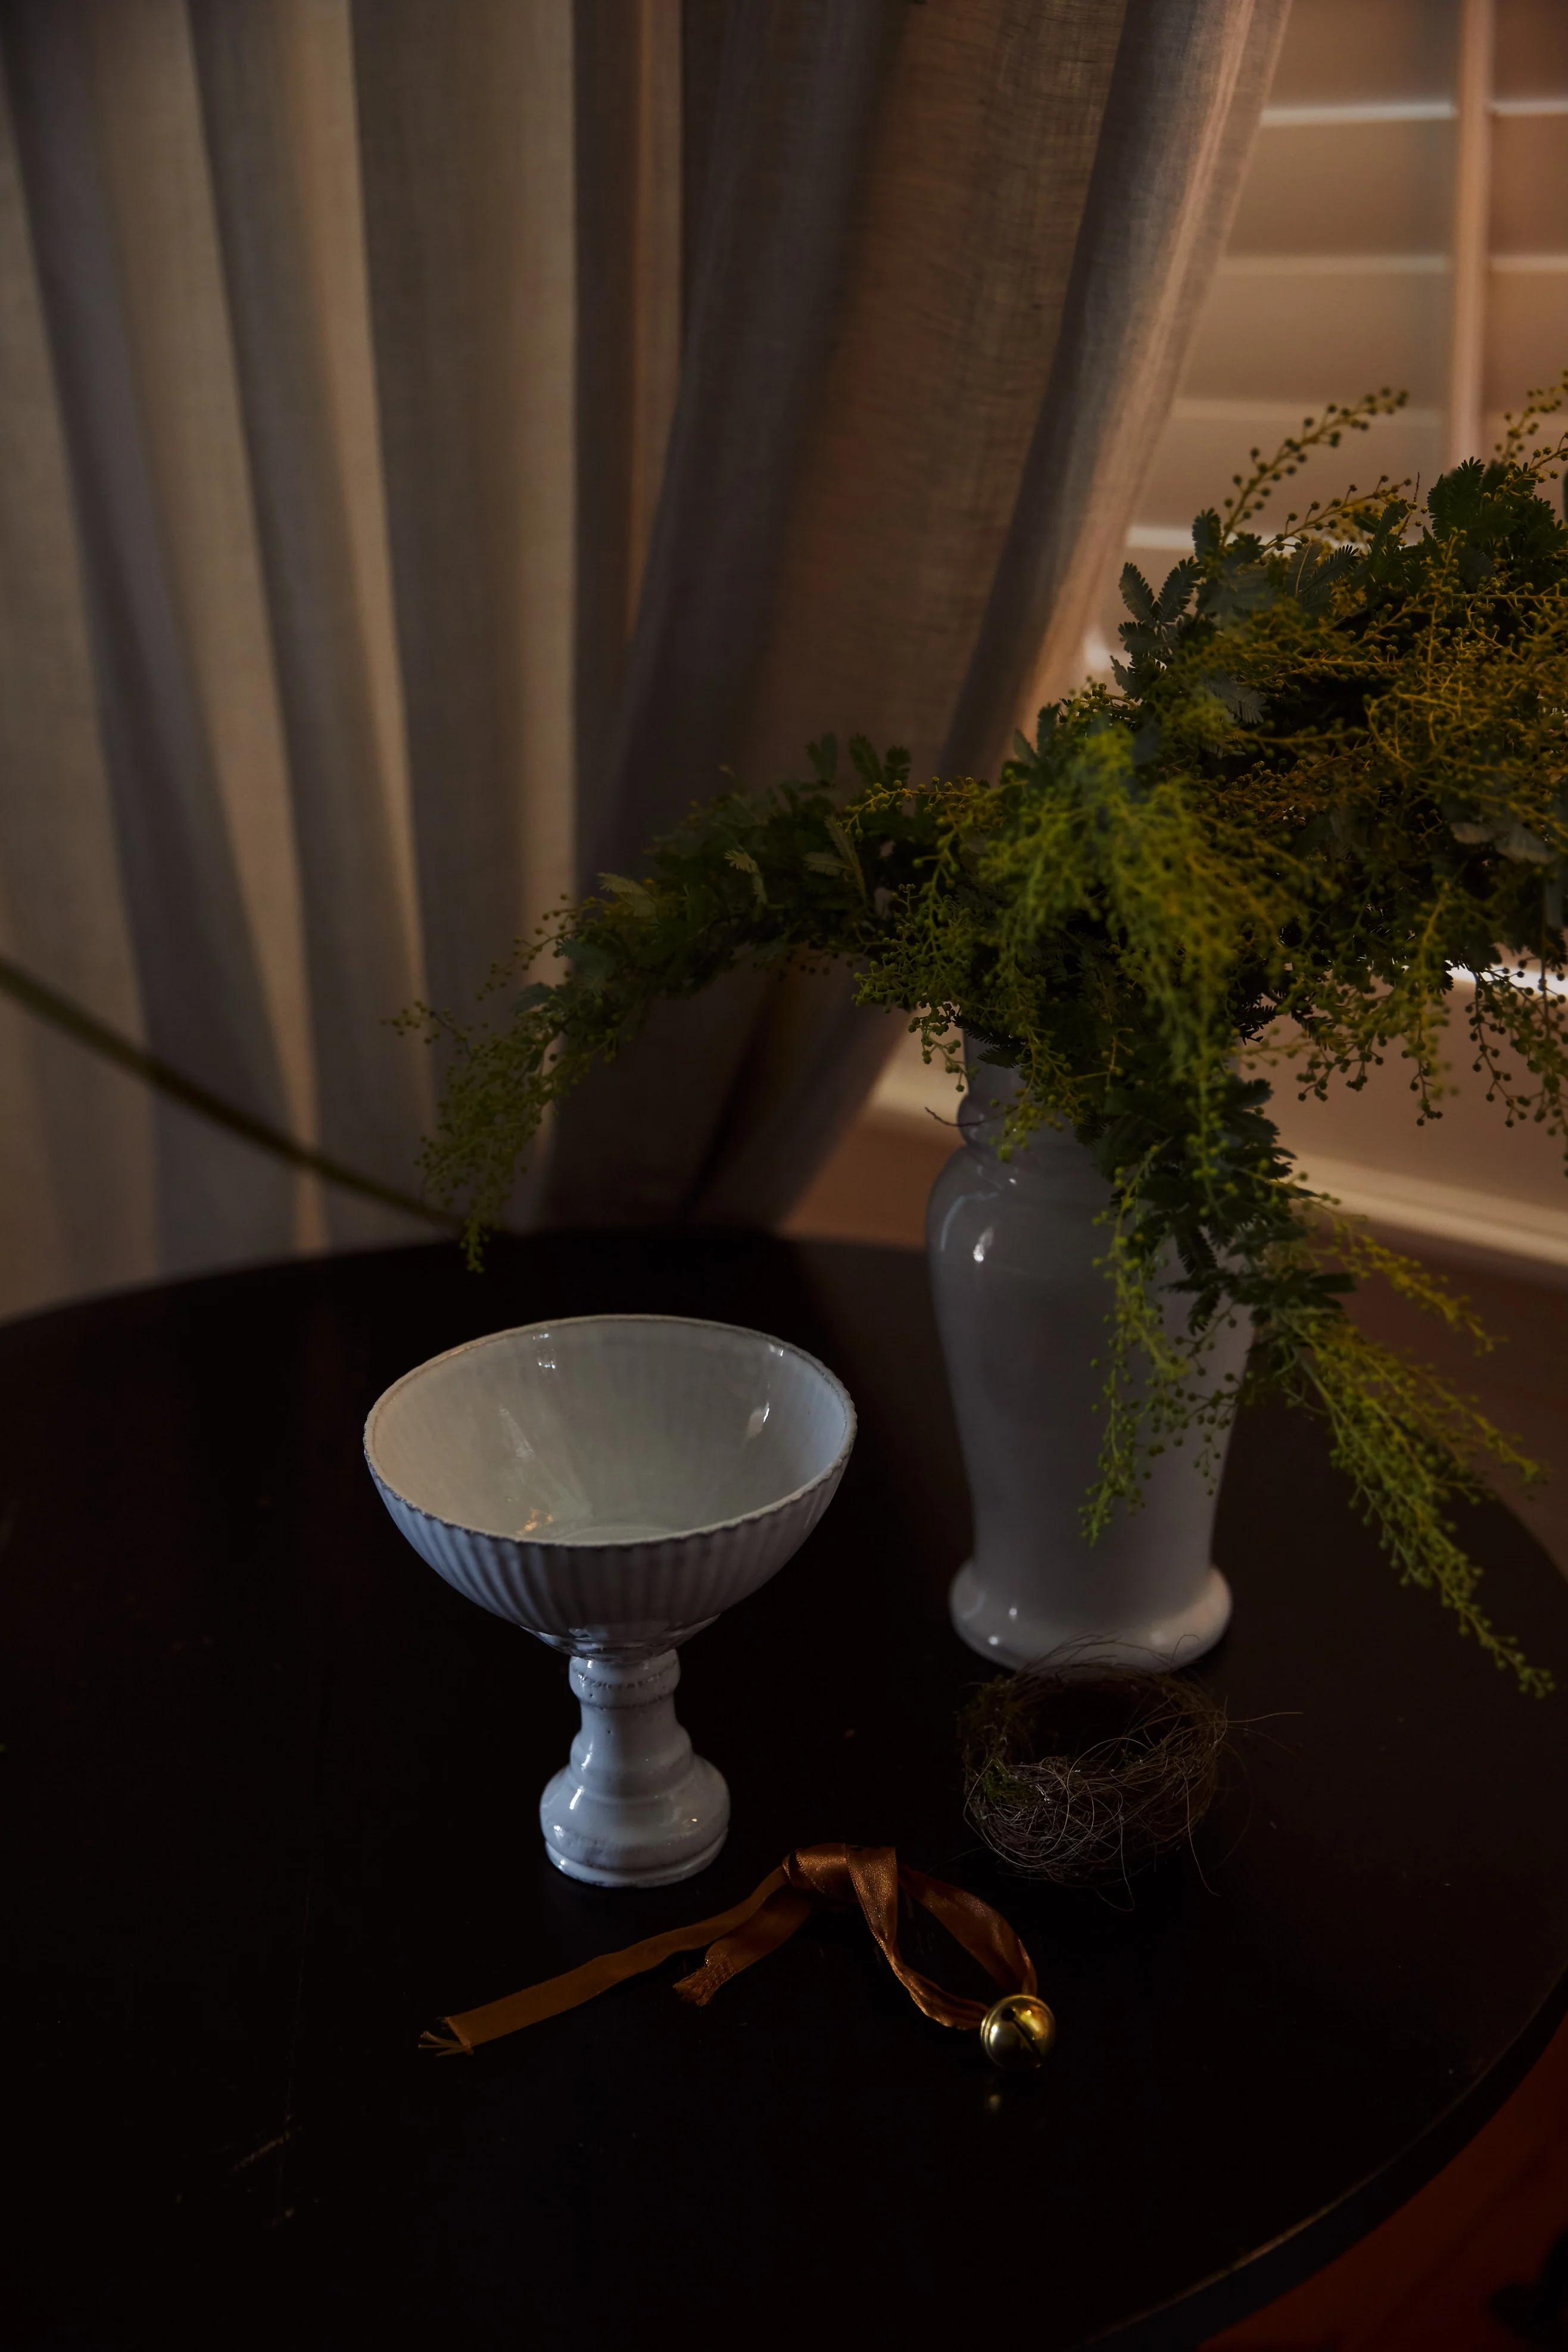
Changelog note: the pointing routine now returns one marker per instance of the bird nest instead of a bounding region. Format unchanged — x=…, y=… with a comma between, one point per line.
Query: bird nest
x=1073, y=1774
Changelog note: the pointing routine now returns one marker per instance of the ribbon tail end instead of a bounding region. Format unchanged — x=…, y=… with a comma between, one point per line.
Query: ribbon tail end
x=700, y=1987
x=450, y=2044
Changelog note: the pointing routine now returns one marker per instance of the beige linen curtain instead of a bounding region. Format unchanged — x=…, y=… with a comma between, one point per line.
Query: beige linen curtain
x=435, y=435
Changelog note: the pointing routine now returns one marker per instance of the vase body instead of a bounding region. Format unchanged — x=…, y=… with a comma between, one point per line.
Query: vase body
x=1022, y=1306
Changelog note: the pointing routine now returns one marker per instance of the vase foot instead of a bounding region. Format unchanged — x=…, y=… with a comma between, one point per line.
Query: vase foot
x=1013, y=1635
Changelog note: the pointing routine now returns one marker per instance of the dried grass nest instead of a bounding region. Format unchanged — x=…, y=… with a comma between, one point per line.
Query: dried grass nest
x=1078, y=1773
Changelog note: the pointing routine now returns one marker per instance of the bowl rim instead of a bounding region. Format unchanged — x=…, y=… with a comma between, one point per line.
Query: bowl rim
x=616, y=1543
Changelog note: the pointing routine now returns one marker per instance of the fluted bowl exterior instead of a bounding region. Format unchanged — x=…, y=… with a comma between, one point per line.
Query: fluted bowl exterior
x=688, y=1392
x=613, y=1599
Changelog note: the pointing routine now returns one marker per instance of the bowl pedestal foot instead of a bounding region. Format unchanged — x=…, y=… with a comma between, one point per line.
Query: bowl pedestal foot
x=634, y=1807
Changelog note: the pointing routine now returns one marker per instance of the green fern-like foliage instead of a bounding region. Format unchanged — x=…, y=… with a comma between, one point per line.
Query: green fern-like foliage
x=1331, y=778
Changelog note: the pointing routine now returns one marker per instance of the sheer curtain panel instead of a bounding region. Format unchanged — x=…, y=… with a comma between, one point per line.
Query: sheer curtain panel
x=435, y=437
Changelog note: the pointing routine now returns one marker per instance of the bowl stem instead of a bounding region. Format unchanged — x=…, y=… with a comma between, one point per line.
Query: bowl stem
x=634, y=1807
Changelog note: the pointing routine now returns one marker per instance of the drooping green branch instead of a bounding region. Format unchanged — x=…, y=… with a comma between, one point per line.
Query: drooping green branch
x=1330, y=785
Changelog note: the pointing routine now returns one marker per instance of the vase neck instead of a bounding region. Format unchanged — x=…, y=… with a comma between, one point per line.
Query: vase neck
x=990, y=1093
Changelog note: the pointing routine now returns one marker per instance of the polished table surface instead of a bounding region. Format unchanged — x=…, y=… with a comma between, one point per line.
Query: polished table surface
x=269, y=1793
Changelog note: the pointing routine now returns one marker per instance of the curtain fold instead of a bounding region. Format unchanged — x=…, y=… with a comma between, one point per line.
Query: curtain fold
x=1181, y=111
x=437, y=435
x=280, y=145
x=126, y=344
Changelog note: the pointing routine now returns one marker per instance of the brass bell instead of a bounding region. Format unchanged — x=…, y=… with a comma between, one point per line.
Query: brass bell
x=1018, y=2031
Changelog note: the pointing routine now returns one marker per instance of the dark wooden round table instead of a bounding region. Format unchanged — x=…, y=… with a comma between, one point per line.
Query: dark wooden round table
x=269, y=1791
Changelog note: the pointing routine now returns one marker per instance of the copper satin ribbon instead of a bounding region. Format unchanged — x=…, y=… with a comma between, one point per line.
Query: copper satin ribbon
x=843, y=1875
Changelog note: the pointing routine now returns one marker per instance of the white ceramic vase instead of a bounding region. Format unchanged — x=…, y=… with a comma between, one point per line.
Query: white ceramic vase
x=1022, y=1307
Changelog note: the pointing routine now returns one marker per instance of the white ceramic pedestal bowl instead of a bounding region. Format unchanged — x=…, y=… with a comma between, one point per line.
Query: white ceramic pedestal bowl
x=611, y=1482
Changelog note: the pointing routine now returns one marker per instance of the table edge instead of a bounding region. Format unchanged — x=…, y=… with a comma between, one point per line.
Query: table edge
x=1227, y=2297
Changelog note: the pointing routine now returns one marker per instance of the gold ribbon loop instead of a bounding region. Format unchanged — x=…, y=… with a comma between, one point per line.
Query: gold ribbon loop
x=869, y=1877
